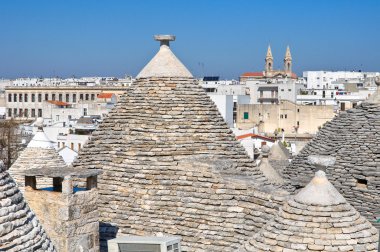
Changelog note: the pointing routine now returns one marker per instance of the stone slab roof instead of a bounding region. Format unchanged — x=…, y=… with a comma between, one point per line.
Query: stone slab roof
x=152, y=183
x=318, y=218
x=353, y=139
x=58, y=172
x=39, y=153
x=20, y=230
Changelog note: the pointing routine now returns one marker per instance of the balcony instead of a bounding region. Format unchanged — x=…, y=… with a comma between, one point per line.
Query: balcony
x=267, y=99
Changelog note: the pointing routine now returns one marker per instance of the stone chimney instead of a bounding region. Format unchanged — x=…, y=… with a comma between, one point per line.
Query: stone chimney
x=69, y=214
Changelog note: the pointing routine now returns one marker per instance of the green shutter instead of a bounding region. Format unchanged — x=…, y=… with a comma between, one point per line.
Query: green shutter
x=246, y=115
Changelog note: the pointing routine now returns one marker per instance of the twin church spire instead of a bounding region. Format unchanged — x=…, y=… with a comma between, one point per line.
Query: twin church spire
x=287, y=61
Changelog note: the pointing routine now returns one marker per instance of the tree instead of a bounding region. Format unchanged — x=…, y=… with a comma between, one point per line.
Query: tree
x=10, y=143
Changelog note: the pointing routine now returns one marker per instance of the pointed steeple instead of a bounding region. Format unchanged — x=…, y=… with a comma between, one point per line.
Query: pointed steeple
x=164, y=63
x=288, y=62
x=288, y=55
x=269, y=60
x=269, y=53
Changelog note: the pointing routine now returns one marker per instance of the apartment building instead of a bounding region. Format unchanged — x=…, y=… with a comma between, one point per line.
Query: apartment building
x=32, y=102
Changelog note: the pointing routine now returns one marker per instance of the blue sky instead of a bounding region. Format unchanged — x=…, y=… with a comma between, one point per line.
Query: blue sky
x=228, y=37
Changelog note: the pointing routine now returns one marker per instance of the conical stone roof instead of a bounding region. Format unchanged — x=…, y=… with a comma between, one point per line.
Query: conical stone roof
x=318, y=218
x=266, y=167
x=39, y=153
x=279, y=157
x=20, y=230
x=152, y=184
x=353, y=138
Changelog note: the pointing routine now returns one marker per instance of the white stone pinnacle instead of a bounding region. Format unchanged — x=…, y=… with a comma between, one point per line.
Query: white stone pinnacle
x=164, y=63
x=320, y=192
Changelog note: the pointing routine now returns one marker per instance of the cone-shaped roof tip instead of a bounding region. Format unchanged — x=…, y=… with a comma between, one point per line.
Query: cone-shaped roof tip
x=320, y=192
x=40, y=139
x=164, y=63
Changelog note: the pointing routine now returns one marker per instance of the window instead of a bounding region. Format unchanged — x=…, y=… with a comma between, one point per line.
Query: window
x=72, y=146
x=46, y=97
x=87, y=97
x=60, y=97
x=289, y=90
x=79, y=146
x=33, y=113
x=298, y=110
x=282, y=116
x=39, y=112
x=26, y=97
x=20, y=113
x=59, y=145
x=332, y=94
x=33, y=97
x=74, y=97
x=9, y=97
x=39, y=97
x=298, y=123
x=26, y=113
x=9, y=112
x=323, y=94
x=362, y=183
x=246, y=115
x=85, y=111
x=57, y=118
x=81, y=97
x=261, y=94
x=282, y=90
x=286, y=116
x=53, y=97
x=14, y=97
x=20, y=97
x=63, y=144
x=67, y=97
x=15, y=112
x=92, y=97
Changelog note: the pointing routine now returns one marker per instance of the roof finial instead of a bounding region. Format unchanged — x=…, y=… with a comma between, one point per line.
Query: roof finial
x=321, y=162
x=164, y=39
x=40, y=124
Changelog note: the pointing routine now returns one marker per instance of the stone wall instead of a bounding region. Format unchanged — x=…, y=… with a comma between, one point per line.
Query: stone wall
x=70, y=220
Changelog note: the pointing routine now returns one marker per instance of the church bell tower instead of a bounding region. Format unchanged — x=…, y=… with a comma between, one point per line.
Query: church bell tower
x=288, y=61
x=269, y=61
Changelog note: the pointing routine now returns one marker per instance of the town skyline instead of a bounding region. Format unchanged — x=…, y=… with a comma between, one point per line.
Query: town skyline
x=223, y=38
